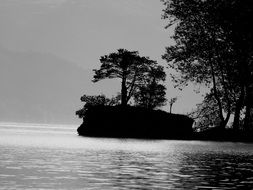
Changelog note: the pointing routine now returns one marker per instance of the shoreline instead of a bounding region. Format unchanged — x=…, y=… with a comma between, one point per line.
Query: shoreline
x=194, y=137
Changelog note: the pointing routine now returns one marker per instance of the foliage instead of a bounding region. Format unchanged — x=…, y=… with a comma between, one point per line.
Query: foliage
x=150, y=93
x=206, y=114
x=139, y=77
x=124, y=64
x=150, y=96
x=96, y=101
x=209, y=49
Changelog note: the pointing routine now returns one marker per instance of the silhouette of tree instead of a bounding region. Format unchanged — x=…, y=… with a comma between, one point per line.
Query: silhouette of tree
x=123, y=64
x=151, y=96
x=150, y=93
x=99, y=100
x=132, y=69
x=208, y=51
x=235, y=17
x=171, y=102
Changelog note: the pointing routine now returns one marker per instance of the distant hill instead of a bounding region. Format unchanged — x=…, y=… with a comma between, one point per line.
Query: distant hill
x=41, y=88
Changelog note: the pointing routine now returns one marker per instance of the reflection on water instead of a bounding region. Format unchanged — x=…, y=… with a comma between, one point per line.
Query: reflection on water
x=57, y=158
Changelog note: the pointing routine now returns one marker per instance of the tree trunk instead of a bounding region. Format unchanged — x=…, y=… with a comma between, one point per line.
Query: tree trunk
x=222, y=124
x=246, y=123
x=248, y=110
x=123, y=91
x=238, y=108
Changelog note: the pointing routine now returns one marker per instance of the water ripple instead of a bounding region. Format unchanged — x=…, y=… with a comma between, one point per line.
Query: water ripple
x=126, y=164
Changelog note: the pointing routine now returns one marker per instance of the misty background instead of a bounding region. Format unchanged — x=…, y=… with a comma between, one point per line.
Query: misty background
x=48, y=49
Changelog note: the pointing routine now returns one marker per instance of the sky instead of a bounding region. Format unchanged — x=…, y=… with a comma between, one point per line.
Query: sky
x=74, y=34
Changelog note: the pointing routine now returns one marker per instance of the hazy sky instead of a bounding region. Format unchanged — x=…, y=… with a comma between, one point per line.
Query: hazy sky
x=80, y=31
x=83, y=30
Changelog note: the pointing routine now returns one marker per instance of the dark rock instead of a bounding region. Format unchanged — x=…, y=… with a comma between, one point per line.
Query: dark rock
x=135, y=122
x=221, y=134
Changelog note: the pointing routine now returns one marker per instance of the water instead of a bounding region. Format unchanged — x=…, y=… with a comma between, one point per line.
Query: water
x=54, y=157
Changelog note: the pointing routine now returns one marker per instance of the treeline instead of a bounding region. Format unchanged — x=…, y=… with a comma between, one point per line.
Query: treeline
x=214, y=48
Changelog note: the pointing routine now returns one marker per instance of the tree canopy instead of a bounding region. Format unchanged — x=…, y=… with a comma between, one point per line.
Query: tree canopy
x=139, y=77
x=124, y=64
x=95, y=100
x=213, y=47
x=150, y=93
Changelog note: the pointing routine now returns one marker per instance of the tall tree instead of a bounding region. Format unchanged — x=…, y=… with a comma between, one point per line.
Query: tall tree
x=200, y=44
x=126, y=65
x=236, y=18
x=207, y=49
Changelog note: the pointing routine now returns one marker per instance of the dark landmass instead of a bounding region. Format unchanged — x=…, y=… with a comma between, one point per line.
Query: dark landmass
x=219, y=134
x=142, y=123
x=134, y=122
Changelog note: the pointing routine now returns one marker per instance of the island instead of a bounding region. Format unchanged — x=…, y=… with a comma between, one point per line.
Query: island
x=136, y=110
x=134, y=122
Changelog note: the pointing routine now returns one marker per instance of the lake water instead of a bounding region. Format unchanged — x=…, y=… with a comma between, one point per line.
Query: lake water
x=54, y=157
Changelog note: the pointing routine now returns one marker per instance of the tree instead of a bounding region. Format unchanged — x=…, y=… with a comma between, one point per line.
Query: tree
x=136, y=74
x=171, y=102
x=207, y=50
x=99, y=100
x=151, y=96
x=150, y=92
x=236, y=18
x=124, y=64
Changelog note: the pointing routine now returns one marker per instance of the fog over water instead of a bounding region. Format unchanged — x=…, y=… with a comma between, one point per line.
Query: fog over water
x=54, y=157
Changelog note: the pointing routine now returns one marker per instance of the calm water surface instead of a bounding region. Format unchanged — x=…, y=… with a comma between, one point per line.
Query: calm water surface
x=54, y=157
